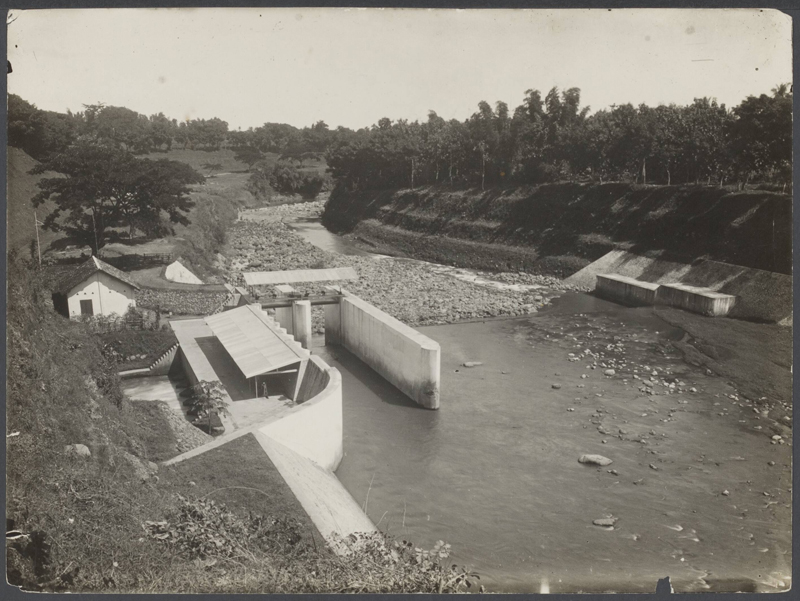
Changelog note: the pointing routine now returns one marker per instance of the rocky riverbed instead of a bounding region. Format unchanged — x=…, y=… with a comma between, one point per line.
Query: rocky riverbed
x=414, y=292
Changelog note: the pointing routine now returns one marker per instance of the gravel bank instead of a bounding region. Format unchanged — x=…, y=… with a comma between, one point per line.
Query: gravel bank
x=408, y=290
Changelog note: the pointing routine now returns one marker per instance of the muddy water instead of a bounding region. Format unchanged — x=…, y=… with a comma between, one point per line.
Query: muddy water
x=495, y=471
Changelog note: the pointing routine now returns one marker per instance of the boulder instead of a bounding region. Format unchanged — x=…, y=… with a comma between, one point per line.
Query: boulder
x=78, y=450
x=595, y=460
x=605, y=522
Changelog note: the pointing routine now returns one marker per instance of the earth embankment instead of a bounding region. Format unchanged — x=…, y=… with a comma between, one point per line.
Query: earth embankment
x=559, y=228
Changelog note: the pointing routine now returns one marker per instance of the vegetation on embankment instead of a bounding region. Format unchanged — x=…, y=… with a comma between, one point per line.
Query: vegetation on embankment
x=558, y=228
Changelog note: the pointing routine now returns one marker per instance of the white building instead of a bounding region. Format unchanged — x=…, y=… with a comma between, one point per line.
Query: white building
x=95, y=288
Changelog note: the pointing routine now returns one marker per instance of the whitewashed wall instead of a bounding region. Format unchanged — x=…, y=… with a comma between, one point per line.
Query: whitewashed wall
x=108, y=295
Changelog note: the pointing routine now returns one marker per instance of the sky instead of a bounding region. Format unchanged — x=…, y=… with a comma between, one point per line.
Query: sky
x=351, y=67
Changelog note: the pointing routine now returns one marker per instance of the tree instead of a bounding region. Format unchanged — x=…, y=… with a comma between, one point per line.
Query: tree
x=107, y=187
x=209, y=398
x=761, y=135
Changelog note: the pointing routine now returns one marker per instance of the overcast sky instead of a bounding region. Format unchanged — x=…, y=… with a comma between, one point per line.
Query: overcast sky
x=352, y=66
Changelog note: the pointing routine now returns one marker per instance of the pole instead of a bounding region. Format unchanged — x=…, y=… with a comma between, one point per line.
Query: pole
x=38, y=247
x=94, y=228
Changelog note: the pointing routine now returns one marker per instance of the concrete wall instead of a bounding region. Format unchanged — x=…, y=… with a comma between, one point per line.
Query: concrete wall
x=108, y=295
x=626, y=290
x=406, y=358
x=697, y=300
x=314, y=381
x=187, y=368
x=162, y=365
x=314, y=428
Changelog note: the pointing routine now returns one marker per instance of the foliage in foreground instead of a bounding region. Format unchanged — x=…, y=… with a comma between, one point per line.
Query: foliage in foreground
x=207, y=532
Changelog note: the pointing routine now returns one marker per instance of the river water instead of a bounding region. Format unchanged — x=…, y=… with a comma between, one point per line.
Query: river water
x=494, y=472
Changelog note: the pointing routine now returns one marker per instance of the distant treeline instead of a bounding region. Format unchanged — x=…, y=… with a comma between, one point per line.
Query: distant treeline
x=543, y=140
x=555, y=139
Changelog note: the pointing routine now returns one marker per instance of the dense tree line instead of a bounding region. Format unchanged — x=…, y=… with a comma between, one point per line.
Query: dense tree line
x=43, y=133
x=554, y=138
x=544, y=139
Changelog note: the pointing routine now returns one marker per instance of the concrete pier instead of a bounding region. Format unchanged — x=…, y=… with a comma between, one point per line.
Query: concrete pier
x=301, y=322
x=698, y=300
x=283, y=315
x=623, y=289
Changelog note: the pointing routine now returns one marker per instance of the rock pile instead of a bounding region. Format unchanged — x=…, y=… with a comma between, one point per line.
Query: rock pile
x=187, y=437
x=181, y=302
x=407, y=290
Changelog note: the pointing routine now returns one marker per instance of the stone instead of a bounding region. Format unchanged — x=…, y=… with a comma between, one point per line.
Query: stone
x=556, y=386
x=725, y=492
x=595, y=460
x=78, y=450
x=473, y=363
x=770, y=463
x=605, y=522
x=609, y=372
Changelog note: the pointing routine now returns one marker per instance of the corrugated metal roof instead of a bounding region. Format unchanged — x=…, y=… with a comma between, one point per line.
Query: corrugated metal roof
x=262, y=278
x=254, y=341
x=89, y=268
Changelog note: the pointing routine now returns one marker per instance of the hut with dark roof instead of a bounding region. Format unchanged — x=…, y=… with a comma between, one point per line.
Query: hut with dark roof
x=94, y=288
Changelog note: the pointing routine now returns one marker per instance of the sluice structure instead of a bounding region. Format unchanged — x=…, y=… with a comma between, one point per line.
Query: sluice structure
x=630, y=291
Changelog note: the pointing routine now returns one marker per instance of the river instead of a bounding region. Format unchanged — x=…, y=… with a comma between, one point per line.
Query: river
x=494, y=472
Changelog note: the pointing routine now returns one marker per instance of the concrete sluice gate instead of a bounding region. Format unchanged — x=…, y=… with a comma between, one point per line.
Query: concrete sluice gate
x=631, y=291
x=304, y=438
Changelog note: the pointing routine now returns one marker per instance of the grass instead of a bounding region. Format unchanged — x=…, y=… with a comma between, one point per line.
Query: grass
x=117, y=346
x=247, y=480
x=151, y=430
x=198, y=158
x=22, y=187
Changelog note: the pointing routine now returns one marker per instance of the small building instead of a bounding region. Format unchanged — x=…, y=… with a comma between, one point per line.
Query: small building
x=94, y=288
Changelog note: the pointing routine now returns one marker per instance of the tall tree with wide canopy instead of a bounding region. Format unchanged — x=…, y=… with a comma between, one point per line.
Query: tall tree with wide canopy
x=107, y=187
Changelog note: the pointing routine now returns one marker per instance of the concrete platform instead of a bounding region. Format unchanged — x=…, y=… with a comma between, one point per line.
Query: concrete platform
x=698, y=300
x=626, y=290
